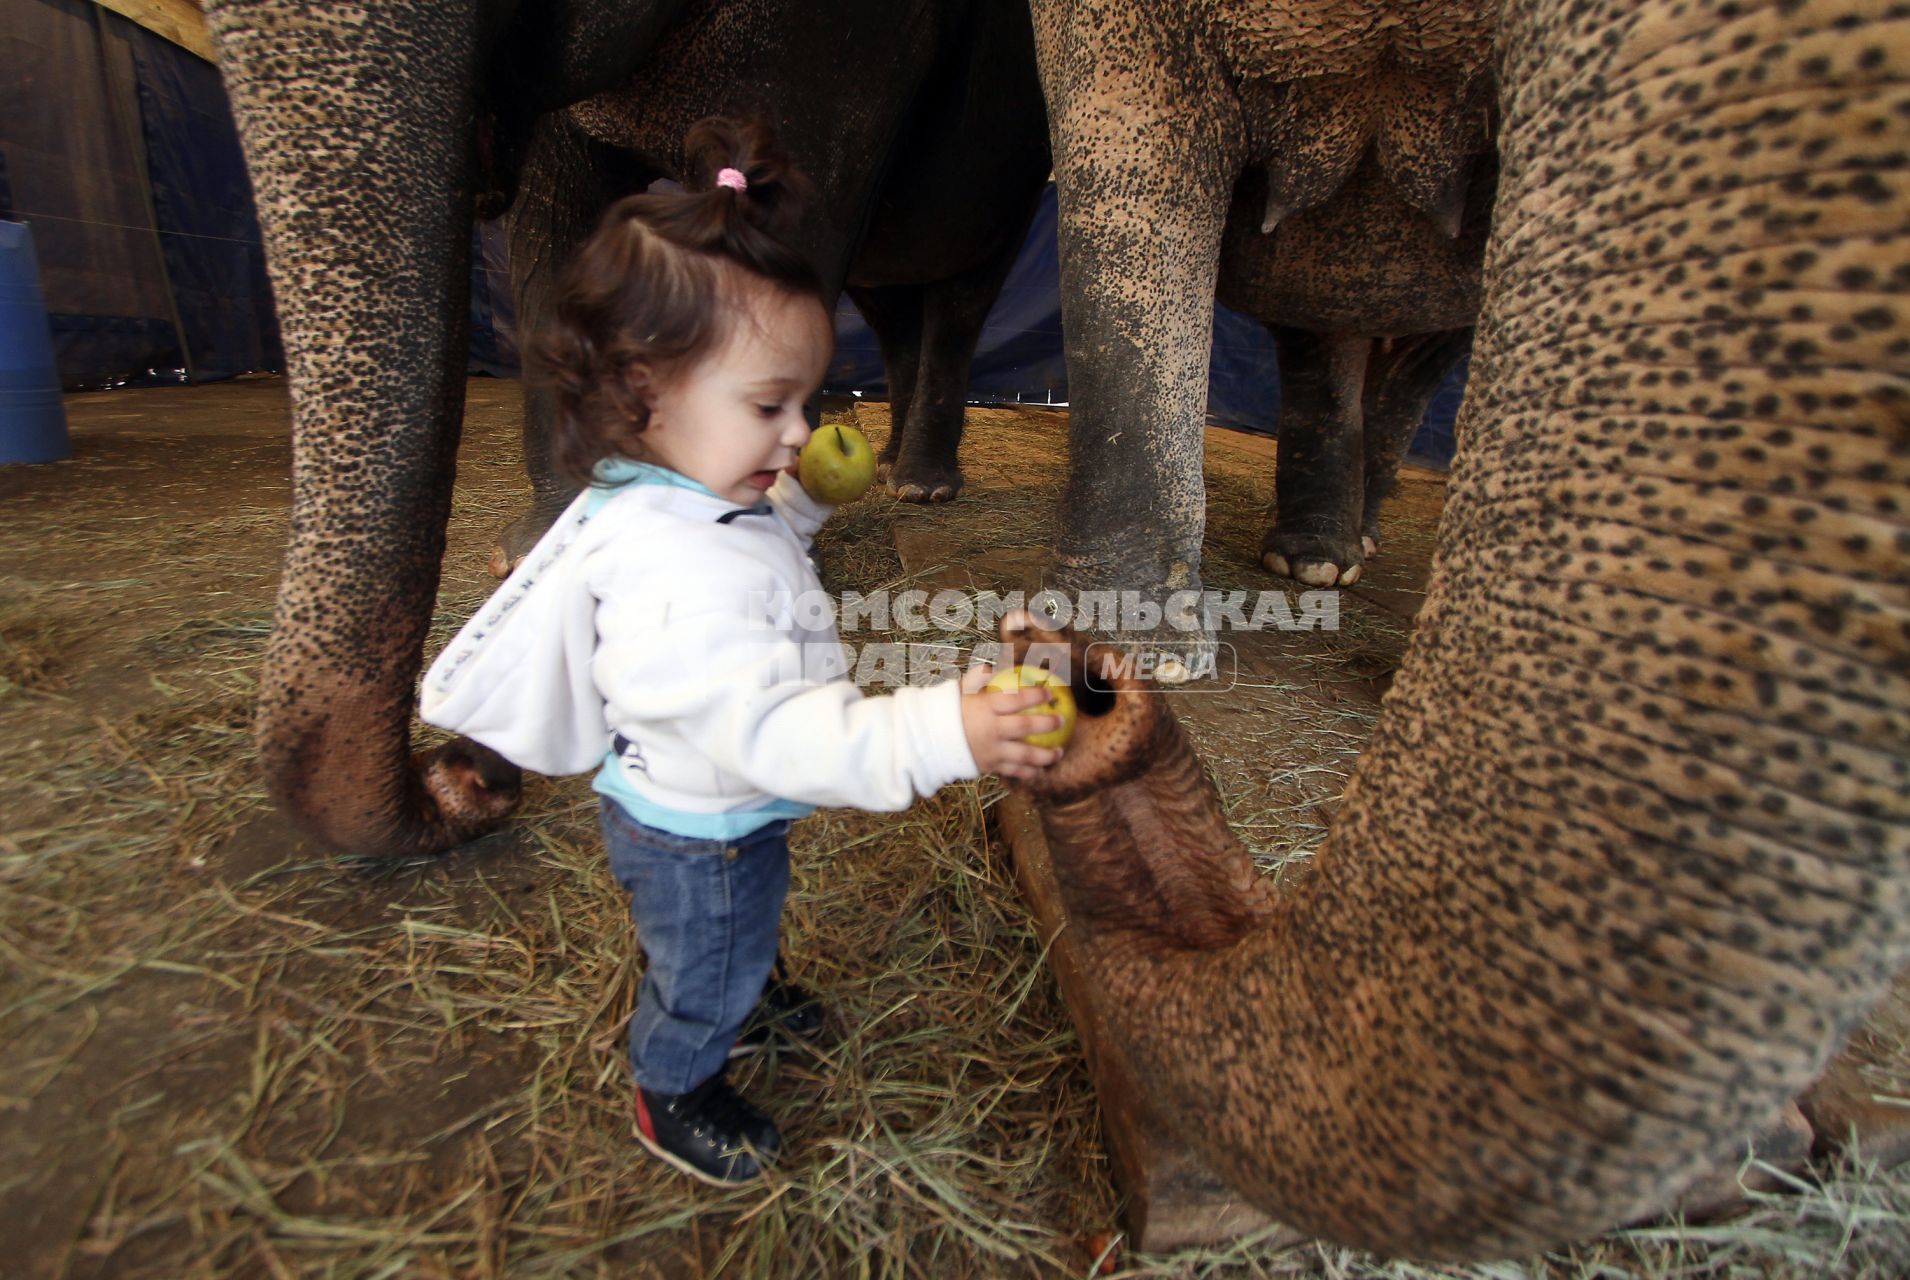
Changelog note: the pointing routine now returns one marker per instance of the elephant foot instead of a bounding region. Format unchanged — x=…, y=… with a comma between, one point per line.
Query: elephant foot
x=473, y=787
x=517, y=538
x=1162, y=633
x=1314, y=573
x=1313, y=560
x=923, y=482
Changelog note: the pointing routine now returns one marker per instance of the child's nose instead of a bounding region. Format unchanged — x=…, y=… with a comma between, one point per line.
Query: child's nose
x=798, y=433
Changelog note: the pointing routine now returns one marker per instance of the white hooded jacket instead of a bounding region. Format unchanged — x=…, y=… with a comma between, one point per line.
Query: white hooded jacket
x=664, y=614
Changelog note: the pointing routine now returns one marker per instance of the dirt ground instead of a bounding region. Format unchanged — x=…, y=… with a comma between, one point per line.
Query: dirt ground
x=227, y=1054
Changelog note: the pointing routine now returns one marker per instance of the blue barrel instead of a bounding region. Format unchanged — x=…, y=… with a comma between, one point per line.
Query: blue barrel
x=32, y=418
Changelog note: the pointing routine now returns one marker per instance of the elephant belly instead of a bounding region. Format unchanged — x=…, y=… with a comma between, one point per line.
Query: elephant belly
x=1364, y=261
x=1299, y=38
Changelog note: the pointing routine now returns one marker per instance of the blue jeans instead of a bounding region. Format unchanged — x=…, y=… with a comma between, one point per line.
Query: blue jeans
x=708, y=913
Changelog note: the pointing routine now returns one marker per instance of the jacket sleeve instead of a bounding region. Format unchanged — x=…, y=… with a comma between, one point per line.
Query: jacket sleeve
x=801, y=512
x=516, y=677
x=737, y=691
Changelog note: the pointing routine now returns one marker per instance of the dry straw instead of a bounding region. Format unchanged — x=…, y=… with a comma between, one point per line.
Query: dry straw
x=229, y=1055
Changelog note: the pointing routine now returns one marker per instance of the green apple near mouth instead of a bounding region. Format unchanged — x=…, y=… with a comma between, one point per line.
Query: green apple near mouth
x=836, y=465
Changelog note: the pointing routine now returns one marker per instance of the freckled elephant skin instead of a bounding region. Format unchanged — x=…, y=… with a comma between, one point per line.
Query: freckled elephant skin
x=1348, y=149
x=1380, y=234
x=1181, y=130
x=372, y=467
x=1628, y=856
x=363, y=127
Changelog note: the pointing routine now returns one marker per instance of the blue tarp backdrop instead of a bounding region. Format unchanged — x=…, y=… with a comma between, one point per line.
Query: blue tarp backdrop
x=119, y=148
x=202, y=201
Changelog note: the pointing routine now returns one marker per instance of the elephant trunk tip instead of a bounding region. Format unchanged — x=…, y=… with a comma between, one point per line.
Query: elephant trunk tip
x=433, y=802
x=1119, y=713
x=1140, y=843
x=468, y=789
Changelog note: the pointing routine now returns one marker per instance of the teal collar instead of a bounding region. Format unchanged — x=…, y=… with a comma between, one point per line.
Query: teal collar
x=613, y=474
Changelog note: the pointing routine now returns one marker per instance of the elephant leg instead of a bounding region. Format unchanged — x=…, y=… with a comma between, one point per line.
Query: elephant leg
x=894, y=315
x=363, y=175
x=568, y=181
x=1319, y=470
x=953, y=313
x=1402, y=379
x=1144, y=174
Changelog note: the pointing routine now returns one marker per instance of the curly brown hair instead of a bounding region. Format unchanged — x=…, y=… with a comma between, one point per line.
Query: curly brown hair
x=645, y=296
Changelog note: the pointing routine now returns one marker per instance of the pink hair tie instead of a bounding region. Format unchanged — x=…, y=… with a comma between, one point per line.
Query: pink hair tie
x=733, y=179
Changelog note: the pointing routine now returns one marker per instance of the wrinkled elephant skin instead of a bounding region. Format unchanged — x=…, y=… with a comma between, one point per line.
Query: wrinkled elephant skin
x=1370, y=298
x=1626, y=859
x=1628, y=856
x=1182, y=131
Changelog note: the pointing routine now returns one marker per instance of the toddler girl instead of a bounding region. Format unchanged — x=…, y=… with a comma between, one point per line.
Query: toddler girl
x=641, y=636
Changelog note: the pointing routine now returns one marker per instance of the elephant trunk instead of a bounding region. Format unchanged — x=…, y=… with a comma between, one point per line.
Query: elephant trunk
x=1628, y=854
x=1466, y=1032
x=1143, y=850
x=362, y=174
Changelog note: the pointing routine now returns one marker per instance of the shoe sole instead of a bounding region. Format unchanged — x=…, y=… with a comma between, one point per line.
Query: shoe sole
x=684, y=1166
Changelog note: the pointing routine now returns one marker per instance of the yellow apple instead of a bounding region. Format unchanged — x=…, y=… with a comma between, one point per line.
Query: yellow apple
x=1060, y=701
x=837, y=465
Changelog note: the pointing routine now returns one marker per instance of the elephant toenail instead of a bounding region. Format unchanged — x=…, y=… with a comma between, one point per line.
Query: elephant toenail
x=1318, y=574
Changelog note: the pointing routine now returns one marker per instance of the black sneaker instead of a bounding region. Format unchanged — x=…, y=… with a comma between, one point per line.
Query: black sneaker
x=711, y=1133
x=783, y=1007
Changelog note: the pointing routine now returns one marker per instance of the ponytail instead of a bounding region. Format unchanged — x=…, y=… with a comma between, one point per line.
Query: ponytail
x=746, y=218
x=644, y=292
